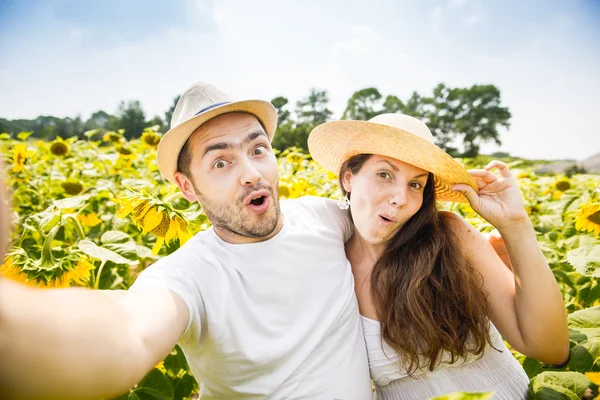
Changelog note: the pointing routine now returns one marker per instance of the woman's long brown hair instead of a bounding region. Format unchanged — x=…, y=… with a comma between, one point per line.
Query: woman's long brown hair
x=428, y=299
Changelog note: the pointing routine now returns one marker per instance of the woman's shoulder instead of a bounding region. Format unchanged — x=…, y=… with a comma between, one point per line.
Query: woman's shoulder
x=456, y=223
x=468, y=237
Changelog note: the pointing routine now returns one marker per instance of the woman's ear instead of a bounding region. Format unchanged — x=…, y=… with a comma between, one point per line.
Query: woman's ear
x=347, y=180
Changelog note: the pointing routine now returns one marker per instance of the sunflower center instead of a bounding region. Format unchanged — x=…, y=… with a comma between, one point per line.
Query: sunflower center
x=563, y=186
x=594, y=218
x=59, y=148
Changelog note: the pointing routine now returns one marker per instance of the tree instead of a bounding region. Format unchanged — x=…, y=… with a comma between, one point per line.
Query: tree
x=97, y=120
x=462, y=116
x=393, y=104
x=312, y=110
x=284, y=136
x=279, y=103
x=363, y=105
x=169, y=113
x=157, y=121
x=131, y=118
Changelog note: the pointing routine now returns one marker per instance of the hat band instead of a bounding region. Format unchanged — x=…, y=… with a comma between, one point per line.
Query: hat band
x=211, y=107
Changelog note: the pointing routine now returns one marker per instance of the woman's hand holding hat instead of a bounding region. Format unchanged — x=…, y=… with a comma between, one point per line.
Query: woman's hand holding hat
x=499, y=200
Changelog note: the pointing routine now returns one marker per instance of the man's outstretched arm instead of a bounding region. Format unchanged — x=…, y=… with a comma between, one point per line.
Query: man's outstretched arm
x=80, y=344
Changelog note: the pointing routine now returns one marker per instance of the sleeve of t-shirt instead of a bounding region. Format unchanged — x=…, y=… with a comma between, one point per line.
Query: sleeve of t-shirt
x=328, y=212
x=173, y=273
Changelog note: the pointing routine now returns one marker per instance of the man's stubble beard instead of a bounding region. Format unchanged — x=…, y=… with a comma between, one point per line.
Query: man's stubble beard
x=230, y=216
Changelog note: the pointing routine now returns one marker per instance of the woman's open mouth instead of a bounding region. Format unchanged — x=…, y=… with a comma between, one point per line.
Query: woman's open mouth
x=386, y=219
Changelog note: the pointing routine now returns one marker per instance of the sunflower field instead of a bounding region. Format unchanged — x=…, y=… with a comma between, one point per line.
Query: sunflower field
x=96, y=212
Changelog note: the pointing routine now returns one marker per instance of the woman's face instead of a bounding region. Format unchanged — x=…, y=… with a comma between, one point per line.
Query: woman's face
x=384, y=194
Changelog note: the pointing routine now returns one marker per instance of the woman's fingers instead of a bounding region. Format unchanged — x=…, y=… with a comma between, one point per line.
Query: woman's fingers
x=468, y=192
x=501, y=166
x=484, y=175
x=480, y=183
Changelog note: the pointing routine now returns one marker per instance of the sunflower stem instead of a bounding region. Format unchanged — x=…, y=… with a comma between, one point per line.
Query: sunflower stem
x=98, y=274
x=78, y=228
x=172, y=197
x=47, y=260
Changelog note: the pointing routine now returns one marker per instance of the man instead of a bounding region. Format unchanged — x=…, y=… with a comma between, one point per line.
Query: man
x=262, y=304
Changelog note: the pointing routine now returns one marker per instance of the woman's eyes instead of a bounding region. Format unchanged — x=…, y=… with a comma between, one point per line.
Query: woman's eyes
x=387, y=176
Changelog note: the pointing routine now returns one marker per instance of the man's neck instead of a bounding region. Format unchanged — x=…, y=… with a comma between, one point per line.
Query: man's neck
x=235, y=238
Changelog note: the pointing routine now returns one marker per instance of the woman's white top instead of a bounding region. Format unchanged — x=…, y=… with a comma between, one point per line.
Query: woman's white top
x=494, y=371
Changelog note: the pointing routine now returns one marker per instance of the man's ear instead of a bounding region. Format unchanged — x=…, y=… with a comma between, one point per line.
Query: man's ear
x=186, y=187
x=347, y=180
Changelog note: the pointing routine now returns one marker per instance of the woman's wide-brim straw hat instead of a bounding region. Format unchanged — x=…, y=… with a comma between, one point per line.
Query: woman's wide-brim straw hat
x=398, y=136
x=200, y=103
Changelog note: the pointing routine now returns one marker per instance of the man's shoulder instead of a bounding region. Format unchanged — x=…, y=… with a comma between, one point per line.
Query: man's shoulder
x=195, y=252
x=310, y=203
x=319, y=211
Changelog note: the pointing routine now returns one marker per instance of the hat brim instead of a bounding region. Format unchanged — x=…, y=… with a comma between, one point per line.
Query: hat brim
x=332, y=143
x=173, y=141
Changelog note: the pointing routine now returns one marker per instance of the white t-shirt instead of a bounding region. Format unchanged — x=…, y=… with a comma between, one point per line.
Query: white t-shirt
x=276, y=319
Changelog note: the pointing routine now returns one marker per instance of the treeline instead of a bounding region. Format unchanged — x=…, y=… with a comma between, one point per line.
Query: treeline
x=461, y=119
x=130, y=116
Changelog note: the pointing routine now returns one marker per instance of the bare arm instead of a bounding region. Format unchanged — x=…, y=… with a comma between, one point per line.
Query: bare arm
x=526, y=304
x=80, y=344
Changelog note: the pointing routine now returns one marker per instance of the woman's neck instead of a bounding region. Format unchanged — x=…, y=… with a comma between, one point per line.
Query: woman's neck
x=361, y=253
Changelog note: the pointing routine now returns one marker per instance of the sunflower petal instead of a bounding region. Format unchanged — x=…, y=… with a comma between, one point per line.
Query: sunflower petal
x=172, y=232
x=151, y=220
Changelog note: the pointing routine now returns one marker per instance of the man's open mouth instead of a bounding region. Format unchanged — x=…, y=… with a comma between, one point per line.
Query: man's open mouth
x=257, y=201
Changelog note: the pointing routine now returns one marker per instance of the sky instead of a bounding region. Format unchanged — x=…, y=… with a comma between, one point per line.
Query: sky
x=74, y=57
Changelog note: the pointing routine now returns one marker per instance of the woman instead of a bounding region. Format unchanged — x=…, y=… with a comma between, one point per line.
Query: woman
x=435, y=298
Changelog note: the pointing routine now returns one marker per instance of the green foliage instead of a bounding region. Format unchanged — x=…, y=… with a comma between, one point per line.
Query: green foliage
x=551, y=385
x=465, y=396
x=363, y=105
x=586, y=260
x=54, y=231
x=155, y=386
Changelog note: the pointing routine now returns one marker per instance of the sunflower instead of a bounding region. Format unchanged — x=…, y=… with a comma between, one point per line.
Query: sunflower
x=59, y=147
x=90, y=219
x=557, y=195
x=151, y=138
x=156, y=217
x=72, y=186
x=20, y=155
x=562, y=184
x=12, y=271
x=587, y=218
x=594, y=377
x=113, y=137
x=79, y=274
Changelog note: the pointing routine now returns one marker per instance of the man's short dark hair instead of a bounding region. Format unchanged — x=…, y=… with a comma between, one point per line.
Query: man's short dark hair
x=184, y=160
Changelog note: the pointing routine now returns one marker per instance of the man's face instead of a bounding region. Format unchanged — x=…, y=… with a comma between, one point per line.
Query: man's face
x=234, y=177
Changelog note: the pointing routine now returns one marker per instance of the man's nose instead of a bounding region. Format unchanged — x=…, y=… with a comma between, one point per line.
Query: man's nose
x=250, y=174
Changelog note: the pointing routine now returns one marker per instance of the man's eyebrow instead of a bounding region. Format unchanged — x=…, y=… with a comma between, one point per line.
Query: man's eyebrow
x=253, y=136
x=216, y=146
x=226, y=145
x=396, y=169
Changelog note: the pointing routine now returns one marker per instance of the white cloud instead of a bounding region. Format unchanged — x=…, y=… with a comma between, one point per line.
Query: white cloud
x=473, y=19
x=457, y=3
